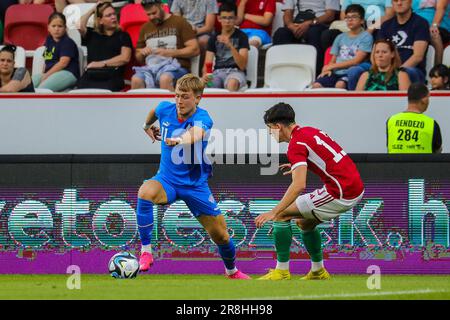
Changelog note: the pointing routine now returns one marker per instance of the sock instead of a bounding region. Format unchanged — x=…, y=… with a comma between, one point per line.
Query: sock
x=228, y=254
x=282, y=234
x=315, y=266
x=313, y=244
x=144, y=218
x=282, y=265
x=146, y=248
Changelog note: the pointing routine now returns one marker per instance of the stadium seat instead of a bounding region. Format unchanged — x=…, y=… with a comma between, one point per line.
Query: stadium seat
x=42, y=90
x=252, y=67
x=328, y=56
x=73, y=13
x=215, y=90
x=429, y=61
x=446, y=59
x=325, y=90
x=19, y=57
x=91, y=90
x=291, y=67
x=132, y=17
x=39, y=62
x=195, y=65
x=265, y=90
x=277, y=22
x=75, y=35
x=149, y=90
x=26, y=26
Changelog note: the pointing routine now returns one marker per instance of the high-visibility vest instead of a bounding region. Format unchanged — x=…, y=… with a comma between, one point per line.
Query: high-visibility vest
x=410, y=132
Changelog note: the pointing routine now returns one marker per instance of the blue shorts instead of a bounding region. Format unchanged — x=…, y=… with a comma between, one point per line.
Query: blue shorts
x=177, y=74
x=199, y=199
x=261, y=34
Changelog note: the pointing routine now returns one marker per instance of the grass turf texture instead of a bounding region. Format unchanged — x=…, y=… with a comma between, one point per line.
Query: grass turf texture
x=218, y=287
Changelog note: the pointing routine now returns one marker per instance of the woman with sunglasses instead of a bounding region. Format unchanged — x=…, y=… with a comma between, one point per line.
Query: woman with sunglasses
x=109, y=49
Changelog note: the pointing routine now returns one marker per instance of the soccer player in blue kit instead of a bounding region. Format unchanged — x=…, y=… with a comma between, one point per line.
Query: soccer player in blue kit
x=183, y=172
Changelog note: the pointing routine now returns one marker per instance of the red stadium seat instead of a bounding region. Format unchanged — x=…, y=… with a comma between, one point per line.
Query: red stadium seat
x=26, y=25
x=132, y=17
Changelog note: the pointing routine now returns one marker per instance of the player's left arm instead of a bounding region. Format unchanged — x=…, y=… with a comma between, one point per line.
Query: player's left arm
x=297, y=186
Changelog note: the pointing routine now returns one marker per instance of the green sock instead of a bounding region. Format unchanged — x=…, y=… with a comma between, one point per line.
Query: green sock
x=313, y=244
x=282, y=234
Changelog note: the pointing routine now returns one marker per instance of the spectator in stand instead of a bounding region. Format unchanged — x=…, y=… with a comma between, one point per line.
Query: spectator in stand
x=437, y=13
x=13, y=79
x=166, y=44
x=62, y=69
x=255, y=19
x=230, y=51
x=109, y=49
x=376, y=12
x=50, y=2
x=304, y=22
x=349, y=49
x=385, y=73
x=440, y=77
x=410, y=33
x=201, y=14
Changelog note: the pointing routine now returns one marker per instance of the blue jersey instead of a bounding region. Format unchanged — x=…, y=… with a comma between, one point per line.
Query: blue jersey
x=183, y=164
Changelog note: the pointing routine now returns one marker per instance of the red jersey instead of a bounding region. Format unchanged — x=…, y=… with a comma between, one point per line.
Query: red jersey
x=323, y=156
x=258, y=8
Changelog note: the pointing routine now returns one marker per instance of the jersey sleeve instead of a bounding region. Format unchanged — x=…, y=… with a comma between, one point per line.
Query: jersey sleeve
x=161, y=108
x=297, y=155
x=203, y=121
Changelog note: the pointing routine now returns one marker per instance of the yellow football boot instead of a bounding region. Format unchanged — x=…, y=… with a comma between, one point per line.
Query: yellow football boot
x=320, y=274
x=276, y=274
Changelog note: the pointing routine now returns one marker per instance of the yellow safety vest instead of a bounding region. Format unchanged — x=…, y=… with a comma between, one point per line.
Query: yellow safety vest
x=409, y=132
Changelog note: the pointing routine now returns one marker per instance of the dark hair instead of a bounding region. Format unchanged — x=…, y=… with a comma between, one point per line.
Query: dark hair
x=228, y=7
x=280, y=113
x=150, y=3
x=417, y=91
x=9, y=48
x=356, y=8
x=440, y=70
x=57, y=15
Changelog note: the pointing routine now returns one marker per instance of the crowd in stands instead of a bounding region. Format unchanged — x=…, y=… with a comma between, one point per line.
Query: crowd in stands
x=361, y=45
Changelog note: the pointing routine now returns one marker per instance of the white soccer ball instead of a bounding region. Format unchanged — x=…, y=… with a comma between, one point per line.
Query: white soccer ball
x=123, y=265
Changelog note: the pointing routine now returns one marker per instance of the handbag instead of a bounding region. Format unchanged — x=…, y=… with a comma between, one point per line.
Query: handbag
x=101, y=74
x=305, y=15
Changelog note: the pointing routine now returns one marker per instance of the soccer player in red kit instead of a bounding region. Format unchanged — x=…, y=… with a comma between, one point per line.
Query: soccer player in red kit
x=309, y=148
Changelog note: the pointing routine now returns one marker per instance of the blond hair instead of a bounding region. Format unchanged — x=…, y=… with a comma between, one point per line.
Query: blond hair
x=190, y=82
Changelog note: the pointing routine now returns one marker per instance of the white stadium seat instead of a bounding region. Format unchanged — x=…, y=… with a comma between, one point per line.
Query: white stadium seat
x=42, y=90
x=215, y=90
x=19, y=57
x=291, y=66
x=195, y=65
x=90, y=90
x=149, y=90
x=429, y=61
x=252, y=66
x=446, y=59
x=73, y=13
x=325, y=90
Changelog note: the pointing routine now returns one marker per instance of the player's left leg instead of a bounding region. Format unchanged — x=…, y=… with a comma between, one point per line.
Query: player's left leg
x=217, y=230
x=201, y=202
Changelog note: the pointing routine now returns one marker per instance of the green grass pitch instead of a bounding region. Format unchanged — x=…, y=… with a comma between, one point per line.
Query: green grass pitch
x=204, y=287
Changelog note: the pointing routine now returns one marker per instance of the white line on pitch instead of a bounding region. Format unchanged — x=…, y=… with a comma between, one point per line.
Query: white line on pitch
x=350, y=295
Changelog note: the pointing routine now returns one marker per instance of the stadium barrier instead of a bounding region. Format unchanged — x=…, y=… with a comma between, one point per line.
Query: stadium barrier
x=61, y=210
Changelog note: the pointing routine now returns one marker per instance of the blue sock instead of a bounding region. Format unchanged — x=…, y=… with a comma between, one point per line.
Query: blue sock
x=144, y=217
x=228, y=254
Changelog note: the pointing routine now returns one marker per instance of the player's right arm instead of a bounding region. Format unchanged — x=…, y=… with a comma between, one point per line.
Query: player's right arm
x=151, y=130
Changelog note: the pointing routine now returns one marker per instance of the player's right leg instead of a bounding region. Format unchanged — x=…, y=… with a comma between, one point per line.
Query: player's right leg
x=151, y=192
x=282, y=234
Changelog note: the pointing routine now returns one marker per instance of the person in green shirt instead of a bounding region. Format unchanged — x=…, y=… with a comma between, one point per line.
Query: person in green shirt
x=411, y=131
